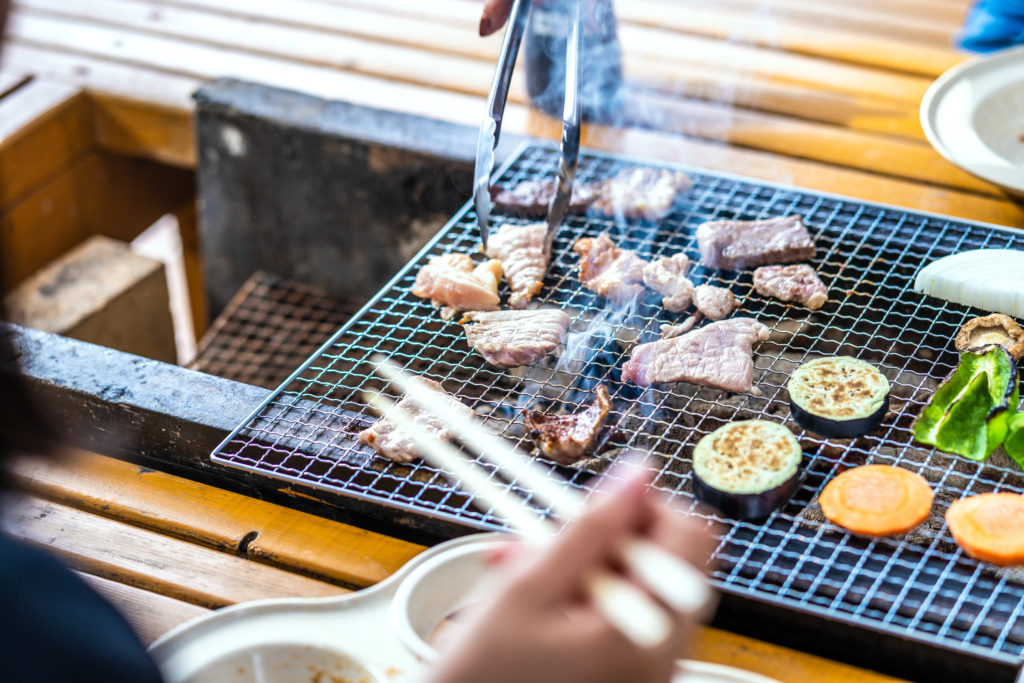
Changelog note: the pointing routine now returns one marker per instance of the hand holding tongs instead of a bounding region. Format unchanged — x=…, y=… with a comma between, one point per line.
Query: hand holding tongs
x=491, y=128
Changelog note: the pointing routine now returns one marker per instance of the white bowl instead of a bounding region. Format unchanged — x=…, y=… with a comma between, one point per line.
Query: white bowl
x=377, y=635
x=974, y=116
x=444, y=585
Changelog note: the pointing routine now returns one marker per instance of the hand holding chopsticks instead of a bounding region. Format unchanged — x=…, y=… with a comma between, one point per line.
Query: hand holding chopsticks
x=679, y=585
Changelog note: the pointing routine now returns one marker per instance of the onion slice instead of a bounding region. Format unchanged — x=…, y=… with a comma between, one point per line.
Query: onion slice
x=990, y=279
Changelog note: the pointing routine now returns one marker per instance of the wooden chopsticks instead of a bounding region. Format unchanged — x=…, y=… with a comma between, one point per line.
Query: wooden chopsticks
x=631, y=610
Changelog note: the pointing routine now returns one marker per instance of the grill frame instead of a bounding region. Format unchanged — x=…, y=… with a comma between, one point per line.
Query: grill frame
x=450, y=523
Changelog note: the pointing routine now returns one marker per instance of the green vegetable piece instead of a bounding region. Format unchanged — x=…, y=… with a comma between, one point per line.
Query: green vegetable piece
x=1014, y=443
x=969, y=413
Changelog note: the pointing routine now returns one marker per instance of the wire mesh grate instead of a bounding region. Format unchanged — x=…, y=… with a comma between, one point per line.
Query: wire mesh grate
x=919, y=585
x=270, y=327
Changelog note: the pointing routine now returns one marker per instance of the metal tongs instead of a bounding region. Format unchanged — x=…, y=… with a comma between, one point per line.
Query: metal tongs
x=490, y=130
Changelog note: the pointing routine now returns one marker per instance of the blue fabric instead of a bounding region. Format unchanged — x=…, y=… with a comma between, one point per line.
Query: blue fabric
x=993, y=25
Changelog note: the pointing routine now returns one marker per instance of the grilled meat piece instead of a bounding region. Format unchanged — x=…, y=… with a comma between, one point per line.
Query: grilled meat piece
x=452, y=282
x=667, y=276
x=566, y=439
x=511, y=339
x=714, y=302
x=791, y=283
x=521, y=252
x=717, y=355
x=531, y=198
x=672, y=331
x=609, y=271
x=642, y=193
x=735, y=245
x=387, y=440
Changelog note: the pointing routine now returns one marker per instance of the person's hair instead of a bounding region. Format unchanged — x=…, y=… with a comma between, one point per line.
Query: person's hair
x=5, y=5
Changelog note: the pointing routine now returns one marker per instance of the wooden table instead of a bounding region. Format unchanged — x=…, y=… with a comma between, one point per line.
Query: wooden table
x=96, y=137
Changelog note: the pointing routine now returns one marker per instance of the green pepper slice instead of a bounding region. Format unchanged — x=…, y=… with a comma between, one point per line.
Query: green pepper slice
x=1014, y=444
x=969, y=413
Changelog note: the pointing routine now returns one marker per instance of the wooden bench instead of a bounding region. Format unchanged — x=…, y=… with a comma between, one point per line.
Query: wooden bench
x=165, y=549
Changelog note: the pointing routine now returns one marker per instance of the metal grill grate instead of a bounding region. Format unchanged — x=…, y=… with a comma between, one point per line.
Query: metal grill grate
x=269, y=327
x=918, y=585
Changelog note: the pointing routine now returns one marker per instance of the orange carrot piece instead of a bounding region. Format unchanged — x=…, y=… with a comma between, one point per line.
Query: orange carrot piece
x=877, y=500
x=989, y=527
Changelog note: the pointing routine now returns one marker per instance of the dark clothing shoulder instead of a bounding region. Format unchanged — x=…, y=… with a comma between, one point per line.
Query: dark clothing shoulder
x=54, y=627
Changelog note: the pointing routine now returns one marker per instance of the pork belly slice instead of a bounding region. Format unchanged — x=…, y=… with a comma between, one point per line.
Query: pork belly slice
x=608, y=271
x=385, y=438
x=792, y=283
x=735, y=245
x=718, y=355
x=715, y=303
x=531, y=198
x=566, y=439
x=641, y=193
x=511, y=339
x=520, y=248
x=667, y=276
x=452, y=282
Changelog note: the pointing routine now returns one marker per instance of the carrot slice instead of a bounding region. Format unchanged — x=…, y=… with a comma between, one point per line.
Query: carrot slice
x=877, y=500
x=989, y=527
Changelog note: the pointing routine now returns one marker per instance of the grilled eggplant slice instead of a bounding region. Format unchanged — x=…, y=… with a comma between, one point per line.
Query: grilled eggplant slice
x=838, y=396
x=747, y=469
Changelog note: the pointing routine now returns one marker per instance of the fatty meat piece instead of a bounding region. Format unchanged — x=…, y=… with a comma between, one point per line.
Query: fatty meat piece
x=671, y=331
x=641, y=193
x=385, y=438
x=735, y=245
x=511, y=339
x=715, y=303
x=667, y=276
x=521, y=252
x=608, y=271
x=531, y=198
x=718, y=355
x=791, y=283
x=566, y=439
x=451, y=281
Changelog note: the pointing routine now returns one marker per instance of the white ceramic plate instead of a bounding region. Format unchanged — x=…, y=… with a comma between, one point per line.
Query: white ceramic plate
x=376, y=635
x=974, y=116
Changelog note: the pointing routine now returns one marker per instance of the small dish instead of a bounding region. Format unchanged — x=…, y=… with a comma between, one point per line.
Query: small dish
x=377, y=635
x=974, y=116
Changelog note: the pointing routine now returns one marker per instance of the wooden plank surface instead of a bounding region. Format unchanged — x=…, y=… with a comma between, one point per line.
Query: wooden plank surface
x=150, y=614
x=44, y=126
x=215, y=518
x=232, y=55
x=152, y=561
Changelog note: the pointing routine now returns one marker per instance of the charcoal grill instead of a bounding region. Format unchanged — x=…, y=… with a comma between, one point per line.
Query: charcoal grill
x=920, y=589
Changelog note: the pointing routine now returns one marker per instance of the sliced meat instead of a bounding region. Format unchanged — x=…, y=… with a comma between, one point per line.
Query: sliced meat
x=520, y=248
x=667, y=276
x=511, y=339
x=566, y=439
x=642, y=193
x=792, y=283
x=387, y=440
x=452, y=282
x=672, y=331
x=531, y=198
x=608, y=271
x=735, y=245
x=714, y=302
x=717, y=355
